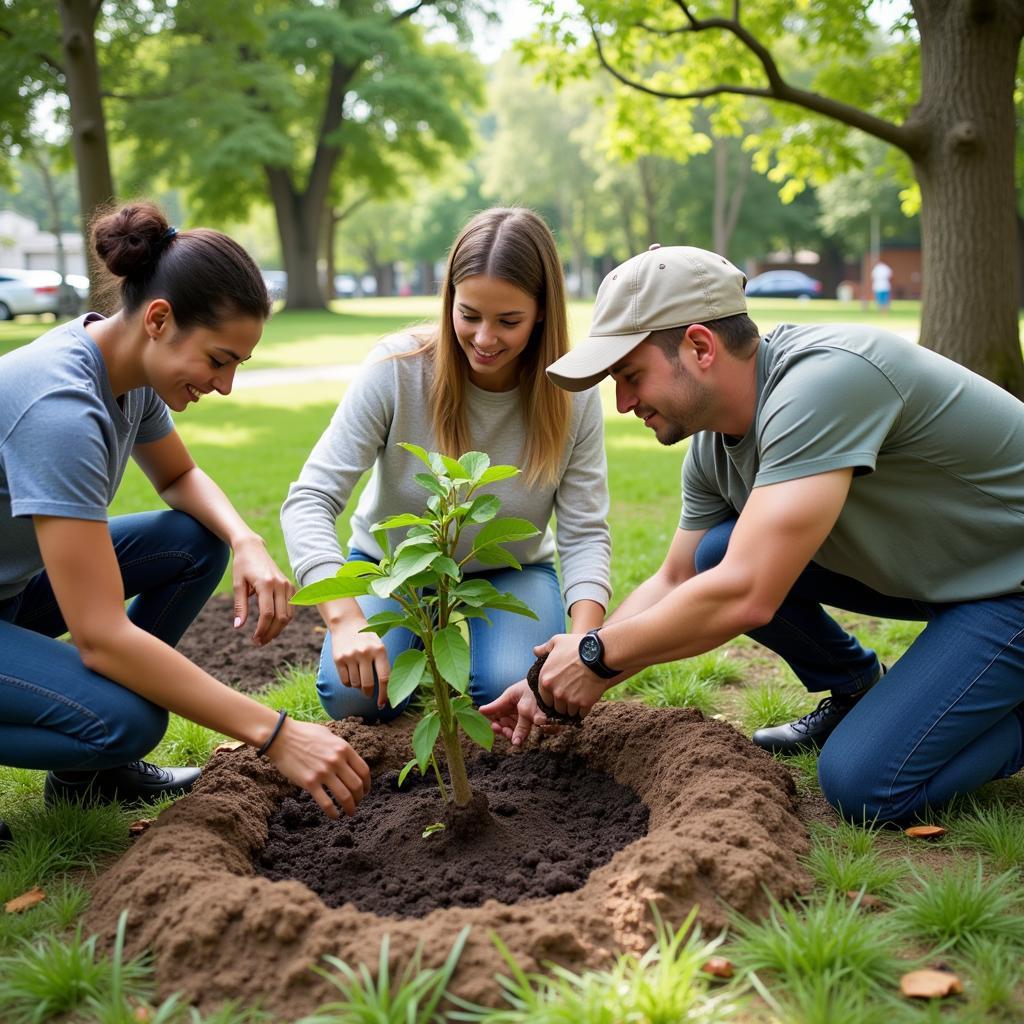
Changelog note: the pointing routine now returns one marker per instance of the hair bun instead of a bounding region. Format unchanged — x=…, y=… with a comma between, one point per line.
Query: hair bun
x=130, y=240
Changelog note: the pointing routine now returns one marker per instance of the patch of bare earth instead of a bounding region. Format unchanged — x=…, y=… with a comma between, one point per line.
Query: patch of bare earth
x=722, y=831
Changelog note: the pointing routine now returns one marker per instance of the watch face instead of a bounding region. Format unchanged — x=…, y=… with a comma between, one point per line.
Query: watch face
x=590, y=648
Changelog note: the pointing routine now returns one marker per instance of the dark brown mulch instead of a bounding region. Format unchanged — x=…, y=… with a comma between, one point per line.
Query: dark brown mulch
x=553, y=819
x=229, y=654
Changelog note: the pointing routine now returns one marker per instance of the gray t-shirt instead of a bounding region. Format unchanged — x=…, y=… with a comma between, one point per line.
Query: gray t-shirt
x=387, y=403
x=64, y=440
x=936, y=508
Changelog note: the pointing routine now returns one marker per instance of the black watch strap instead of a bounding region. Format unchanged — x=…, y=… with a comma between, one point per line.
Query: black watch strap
x=591, y=653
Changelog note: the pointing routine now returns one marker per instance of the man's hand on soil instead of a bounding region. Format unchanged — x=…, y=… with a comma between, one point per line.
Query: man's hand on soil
x=314, y=758
x=515, y=713
x=565, y=682
x=361, y=660
x=254, y=572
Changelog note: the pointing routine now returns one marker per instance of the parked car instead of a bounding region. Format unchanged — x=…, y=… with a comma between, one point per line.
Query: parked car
x=35, y=291
x=784, y=284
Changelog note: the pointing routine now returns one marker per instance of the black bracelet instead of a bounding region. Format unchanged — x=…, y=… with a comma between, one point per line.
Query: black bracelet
x=281, y=716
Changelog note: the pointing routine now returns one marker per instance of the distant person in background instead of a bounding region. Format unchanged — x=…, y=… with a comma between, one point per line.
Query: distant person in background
x=881, y=284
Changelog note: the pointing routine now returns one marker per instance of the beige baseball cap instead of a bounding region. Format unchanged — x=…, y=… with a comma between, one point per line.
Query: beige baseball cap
x=667, y=286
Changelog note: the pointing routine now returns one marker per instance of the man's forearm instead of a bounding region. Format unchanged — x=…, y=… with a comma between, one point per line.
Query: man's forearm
x=648, y=594
x=697, y=616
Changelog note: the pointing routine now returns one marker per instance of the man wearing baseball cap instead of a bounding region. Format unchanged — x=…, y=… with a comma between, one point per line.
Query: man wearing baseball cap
x=829, y=465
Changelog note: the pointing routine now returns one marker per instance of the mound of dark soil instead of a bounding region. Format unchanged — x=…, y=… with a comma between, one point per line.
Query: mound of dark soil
x=552, y=820
x=722, y=832
x=229, y=654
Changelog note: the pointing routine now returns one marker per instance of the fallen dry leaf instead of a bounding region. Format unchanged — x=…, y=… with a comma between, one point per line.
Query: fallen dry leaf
x=136, y=828
x=25, y=900
x=924, y=831
x=867, y=901
x=229, y=745
x=928, y=984
x=719, y=967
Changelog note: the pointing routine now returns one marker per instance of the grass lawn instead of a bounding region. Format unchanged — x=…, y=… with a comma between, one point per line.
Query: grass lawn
x=353, y=326
x=958, y=901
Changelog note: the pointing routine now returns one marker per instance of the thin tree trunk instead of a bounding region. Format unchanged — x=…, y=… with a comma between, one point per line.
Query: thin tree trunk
x=969, y=54
x=88, y=125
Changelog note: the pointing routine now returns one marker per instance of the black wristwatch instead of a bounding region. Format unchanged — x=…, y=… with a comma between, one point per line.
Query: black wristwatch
x=592, y=655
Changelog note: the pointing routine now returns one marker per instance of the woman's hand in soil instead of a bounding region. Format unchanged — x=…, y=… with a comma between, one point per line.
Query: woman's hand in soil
x=253, y=571
x=361, y=659
x=515, y=713
x=312, y=757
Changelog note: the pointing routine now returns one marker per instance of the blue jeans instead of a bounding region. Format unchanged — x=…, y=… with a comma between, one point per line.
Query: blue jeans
x=945, y=719
x=499, y=654
x=57, y=714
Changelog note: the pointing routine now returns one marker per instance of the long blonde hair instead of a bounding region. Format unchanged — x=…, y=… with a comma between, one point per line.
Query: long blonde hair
x=515, y=245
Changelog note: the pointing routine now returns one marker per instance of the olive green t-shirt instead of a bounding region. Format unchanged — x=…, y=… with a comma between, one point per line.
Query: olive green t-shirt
x=936, y=507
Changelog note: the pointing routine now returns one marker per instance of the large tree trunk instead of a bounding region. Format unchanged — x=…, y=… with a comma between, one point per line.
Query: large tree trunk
x=298, y=228
x=88, y=125
x=969, y=51
x=729, y=192
x=301, y=215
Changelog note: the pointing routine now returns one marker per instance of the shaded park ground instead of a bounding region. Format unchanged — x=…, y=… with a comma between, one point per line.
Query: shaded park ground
x=954, y=903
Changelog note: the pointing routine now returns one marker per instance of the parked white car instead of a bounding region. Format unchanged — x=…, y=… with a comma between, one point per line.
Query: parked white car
x=35, y=291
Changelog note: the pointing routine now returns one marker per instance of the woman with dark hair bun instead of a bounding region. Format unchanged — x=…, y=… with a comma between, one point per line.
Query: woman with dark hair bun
x=74, y=406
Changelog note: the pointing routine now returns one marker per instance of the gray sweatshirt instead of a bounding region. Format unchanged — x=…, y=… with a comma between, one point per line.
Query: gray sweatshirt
x=388, y=403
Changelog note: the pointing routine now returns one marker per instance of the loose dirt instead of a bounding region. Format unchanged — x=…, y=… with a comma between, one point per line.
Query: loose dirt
x=722, y=831
x=229, y=654
x=551, y=821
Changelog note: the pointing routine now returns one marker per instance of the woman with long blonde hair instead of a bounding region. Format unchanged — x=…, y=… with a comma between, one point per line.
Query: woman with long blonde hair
x=475, y=381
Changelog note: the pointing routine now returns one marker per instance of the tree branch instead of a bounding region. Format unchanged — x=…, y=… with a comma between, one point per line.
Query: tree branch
x=410, y=11
x=900, y=136
x=43, y=58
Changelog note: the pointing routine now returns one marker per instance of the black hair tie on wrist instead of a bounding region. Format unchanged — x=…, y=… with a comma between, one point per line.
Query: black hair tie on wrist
x=281, y=716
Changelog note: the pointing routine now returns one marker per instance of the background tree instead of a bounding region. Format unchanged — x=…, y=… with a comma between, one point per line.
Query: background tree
x=52, y=83
x=941, y=92
x=294, y=98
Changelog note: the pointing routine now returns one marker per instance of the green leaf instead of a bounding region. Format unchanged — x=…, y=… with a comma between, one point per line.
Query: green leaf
x=446, y=565
x=431, y=483
x=419, y=541
x=406, y=768
x=451, y=656
x=496, y=555
x=383, y=541
x=437, y=826
x=473, y=613
x=383, y=622
x=359, y=568
x=475, y=592
x=511, y=603
x=410, y=562
x=416, y=450
x=501, y=531
x=475, y=464
x=331, y=589
x=484, y=507
x=476, y=727
x=405, y=519
x=453, y=468
x=424, y=737
x=406, y=674
x=496, y=473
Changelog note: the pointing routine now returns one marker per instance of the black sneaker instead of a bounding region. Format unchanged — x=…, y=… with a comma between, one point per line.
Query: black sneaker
x=6, y=836
x=811, y=731
x=134, y=783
